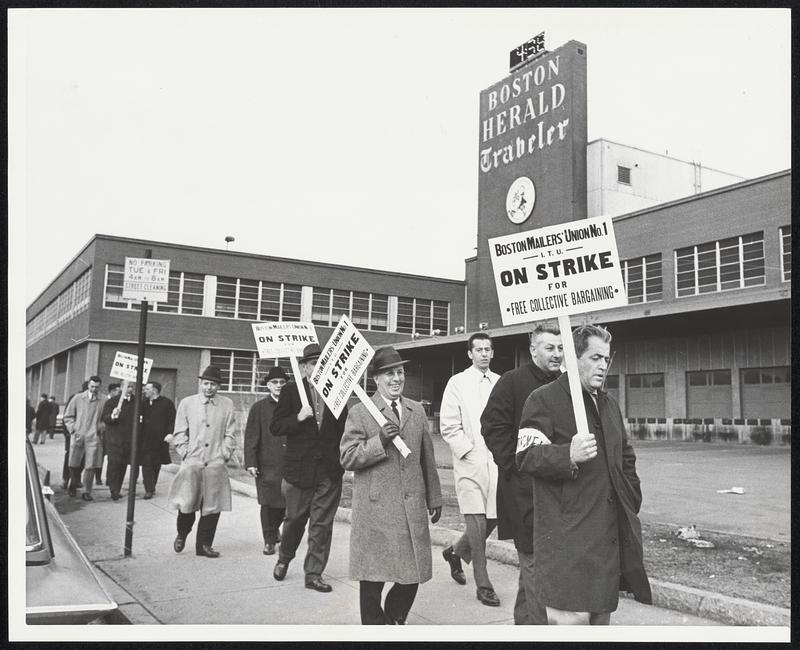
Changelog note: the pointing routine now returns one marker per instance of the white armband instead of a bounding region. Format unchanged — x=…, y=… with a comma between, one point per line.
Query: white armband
x=528, y=437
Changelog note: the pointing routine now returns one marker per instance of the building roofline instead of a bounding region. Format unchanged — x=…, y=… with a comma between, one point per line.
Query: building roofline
x=703, y=195
x=134, y=240
x=655, y=153
x=61, y=272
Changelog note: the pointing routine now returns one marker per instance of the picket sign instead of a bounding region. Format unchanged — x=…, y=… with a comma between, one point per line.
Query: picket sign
x=281, y=339
x=575, y=388
x=555, y=271
x=344, y=359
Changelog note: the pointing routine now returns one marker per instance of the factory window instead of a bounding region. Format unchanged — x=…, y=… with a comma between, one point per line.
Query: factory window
x=623, y=175
x=642, y=277
x=786, y=253
x=184, y=292
x=242, y=371
x=68, y=304
x=708, y=394
x=367, y=310
x=645, y=395
x=257, y=300
x=732, y=263
x=766, y=392
x=425, y=317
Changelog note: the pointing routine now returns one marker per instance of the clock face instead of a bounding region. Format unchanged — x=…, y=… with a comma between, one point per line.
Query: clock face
x=520, y=199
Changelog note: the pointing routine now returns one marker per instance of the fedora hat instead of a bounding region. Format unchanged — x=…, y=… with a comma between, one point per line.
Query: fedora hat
x=212, y=373
x=386, y=358
x=311, y=351
x=275, y=372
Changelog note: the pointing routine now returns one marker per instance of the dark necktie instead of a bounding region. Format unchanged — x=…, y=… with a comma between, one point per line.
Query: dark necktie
x=396, y=412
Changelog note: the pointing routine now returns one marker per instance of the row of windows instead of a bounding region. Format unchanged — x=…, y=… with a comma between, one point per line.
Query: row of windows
x=774, y=375
x=430, y=317
x=185, y=292
x=257, y=300
x=366, y=310
x=732, y=263
x=68, y=304
x=242, y=371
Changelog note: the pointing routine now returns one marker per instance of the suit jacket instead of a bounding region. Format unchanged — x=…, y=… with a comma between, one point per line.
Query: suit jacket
x=499, y=427
x=312, y=452
x=587, y=535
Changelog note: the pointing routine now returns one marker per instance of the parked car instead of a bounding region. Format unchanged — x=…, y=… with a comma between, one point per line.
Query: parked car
x=61, y=586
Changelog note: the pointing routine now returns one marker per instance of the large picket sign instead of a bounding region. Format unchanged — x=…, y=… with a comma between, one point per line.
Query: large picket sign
x=281, y=339
x=344, y=359
x=124, y=367
x=569, y=268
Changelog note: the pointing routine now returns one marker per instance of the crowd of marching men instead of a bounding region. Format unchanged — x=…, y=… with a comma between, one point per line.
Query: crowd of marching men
x=568, y=498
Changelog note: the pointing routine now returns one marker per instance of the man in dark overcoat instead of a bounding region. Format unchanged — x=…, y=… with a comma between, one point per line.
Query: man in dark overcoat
x=499, y=426
x=263, y=458
x=158, y=420
x=51, y=425
x=312, y=475
x=118, y=418
x=42, y=420
x=587, y=535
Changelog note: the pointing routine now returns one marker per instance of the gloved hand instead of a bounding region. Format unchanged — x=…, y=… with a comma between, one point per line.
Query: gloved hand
x=387, y=432
x=435, y=513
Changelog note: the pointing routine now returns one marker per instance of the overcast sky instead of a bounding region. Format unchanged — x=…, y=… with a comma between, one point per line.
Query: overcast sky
x=344, y=136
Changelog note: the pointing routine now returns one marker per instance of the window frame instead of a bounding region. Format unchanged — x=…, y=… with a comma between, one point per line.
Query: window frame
x=680, y=255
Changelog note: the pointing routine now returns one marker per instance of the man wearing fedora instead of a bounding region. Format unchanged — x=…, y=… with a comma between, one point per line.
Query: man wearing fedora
x=392, y=496
x=312, y=475
x=263, y=458
x=205, y=439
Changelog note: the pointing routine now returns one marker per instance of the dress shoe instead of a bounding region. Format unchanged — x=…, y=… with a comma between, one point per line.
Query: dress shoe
x=87, y=497
x=179, y=543
x=73, y=491
x=318, y=584
x=279, y=573
x=269, y=549
x=206, y=551
x=488, y=597
x=454, y=561
x=116, y=496
x=148, y=495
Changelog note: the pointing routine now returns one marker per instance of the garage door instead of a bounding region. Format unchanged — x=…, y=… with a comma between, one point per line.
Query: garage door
x=766, y=392
x=708, y=394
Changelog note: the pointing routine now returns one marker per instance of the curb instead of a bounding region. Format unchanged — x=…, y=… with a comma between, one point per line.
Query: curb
x=679, y=598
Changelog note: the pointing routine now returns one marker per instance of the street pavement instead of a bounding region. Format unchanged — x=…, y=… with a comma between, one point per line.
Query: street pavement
x=155, y=585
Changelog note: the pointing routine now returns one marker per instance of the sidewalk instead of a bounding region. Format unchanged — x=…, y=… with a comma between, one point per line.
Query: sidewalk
x=157, y=586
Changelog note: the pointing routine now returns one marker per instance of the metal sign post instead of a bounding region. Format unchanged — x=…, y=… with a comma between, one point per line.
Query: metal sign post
x=134, y=471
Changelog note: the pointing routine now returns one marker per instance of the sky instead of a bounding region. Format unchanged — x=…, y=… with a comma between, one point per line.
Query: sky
x=346, y=136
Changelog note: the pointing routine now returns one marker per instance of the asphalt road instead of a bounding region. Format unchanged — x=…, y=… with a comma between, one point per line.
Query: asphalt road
x=680, y=482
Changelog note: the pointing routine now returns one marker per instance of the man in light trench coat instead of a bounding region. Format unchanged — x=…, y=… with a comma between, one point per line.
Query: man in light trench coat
x=474, y=469
x=204, y=437
x=392, y=496
x=587, y=536
x=82, y=419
